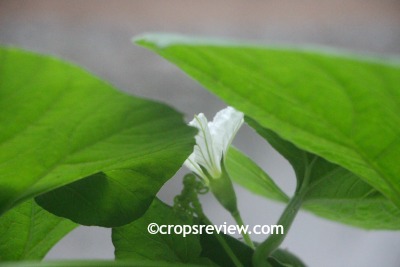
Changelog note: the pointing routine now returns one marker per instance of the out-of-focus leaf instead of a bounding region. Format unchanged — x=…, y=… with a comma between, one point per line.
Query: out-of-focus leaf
x=28, y=232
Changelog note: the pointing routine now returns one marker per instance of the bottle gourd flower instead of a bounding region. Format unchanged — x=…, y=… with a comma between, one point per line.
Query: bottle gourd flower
x=212, y=142
x=209, y=154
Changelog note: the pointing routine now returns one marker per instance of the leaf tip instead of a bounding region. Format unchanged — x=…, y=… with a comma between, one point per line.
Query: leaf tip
x=159, y=40
x=163, y=40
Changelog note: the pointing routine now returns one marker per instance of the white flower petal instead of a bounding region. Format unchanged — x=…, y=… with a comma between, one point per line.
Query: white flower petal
x=204, y=151
x=191, y=164
x=213, y=141
x=224, y=127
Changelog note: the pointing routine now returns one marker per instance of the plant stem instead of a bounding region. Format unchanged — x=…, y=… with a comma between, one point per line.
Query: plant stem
x=239, y=221
x=224, y=244
x=223, y=190
x=275, y=240
x=266, y=248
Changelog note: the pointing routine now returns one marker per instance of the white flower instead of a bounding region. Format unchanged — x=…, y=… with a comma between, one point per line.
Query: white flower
x=213, y=141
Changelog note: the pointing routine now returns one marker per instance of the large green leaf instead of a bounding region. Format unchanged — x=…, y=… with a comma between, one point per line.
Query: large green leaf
x=28, y=232
x=343, y=108
x=333, y=192
x=133, y=241
x=60, y=124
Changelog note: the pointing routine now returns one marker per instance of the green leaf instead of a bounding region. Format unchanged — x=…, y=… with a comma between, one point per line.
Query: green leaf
x=283, y=258
x=246, y=173
x=97, y=263
x=133, y=241
x=109, y=199
x=28, y=232
x=343, y=108
x=298, y=158
x=214, y=251
x=333, y=192
x=60, y=124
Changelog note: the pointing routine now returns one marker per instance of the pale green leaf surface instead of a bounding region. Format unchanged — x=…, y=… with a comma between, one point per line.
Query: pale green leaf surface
x=246, y=173
x=28, y=232
x=340, y=107
x=60, y=124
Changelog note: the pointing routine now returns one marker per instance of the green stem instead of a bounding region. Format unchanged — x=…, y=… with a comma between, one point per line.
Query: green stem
x=223, y=190
x=265, y=249
x=224, y=244
x=239, y=221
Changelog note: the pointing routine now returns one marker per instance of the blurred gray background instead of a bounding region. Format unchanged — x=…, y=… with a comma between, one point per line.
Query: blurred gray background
x=96, y=35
